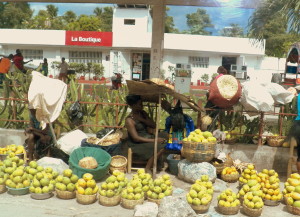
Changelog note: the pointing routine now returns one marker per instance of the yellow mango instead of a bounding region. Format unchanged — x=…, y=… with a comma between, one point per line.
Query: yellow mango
x=295, y=176
x=293, y=182
x=295, y=195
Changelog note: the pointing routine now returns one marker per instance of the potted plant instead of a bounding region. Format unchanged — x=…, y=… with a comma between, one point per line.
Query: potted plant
x=205, y=78
x=98, y=70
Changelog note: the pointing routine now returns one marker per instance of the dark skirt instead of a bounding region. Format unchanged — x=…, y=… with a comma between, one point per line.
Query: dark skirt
x=295, y=132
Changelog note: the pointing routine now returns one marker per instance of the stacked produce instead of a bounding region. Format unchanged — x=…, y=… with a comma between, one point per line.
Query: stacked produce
x=252, y=204
x=252, y=186
x=199, y=136
x=248, y=173
x=86, y=185
x=43, y=181
x=145, y=179
x=270, y=186
x=133, y=190
x=67, y=181
x=231, y=135
x=200, y=194
x=292, y=190
x=230, y=174
x=113, y=185
x=16, y=149
x=228, y=203
x=161, y=187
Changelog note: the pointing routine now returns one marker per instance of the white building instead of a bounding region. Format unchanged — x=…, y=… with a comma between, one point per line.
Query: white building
x=127, y=48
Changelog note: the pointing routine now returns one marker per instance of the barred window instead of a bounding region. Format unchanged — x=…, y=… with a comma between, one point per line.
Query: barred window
x=199, y=62
x=32, y=54
x=85, y=57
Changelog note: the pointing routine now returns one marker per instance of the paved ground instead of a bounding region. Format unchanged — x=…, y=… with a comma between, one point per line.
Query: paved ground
x=25, y=206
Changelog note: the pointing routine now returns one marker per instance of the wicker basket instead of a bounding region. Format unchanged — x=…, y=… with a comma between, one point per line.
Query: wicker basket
x=157, y=201
x=271, y=202
x=231, y=178
x=66, y=195
x=228, y=210
x=118, y=162
x=219, y=167
x=200, y=209
x=275, y=141
x=130, y=204
x=86, y=199
x=109, y=201
x=252, y=212
x=230, y=141
x=284, y=199
x=198, y=152
x=3, y=189
x=229, y=161
x=111, y=139
x=293, y=210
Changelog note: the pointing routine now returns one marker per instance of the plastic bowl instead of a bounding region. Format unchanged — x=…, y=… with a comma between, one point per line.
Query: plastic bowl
x=17, y=191
x=42, y=196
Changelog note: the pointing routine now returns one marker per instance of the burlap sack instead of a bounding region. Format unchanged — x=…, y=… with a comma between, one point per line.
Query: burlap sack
x=216, y=97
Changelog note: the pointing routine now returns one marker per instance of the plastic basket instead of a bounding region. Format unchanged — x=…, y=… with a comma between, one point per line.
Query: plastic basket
x=43, y=196
x=17, y=191
x=172, y=164
x=102, y=157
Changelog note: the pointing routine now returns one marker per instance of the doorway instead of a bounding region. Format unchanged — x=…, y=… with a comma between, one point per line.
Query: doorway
x=227, y=62
x=140, y=66
x=146, y=66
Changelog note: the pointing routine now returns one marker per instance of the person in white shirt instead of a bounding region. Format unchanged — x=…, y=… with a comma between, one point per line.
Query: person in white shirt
x=63, y=70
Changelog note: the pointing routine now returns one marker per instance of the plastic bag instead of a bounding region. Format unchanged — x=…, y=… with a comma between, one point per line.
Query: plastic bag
x=256, y=97
x=279, y=94
x=101, y=133
x=57, y=164
x=75, y=113
x=71, y=141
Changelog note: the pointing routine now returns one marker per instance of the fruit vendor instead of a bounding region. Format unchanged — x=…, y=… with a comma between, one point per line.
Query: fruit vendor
x=38, y=140
x=4, y=67
x=19, y=61
x=141, y=130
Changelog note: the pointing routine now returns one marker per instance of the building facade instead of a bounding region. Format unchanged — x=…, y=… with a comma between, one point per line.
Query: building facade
x=127, y=49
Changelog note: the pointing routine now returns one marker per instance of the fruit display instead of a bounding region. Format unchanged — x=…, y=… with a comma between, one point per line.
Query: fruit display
x=161, y=187
x=230, y=174
x=270, y=187
x=228, y=203
x=252, y=204
x=113, y=185
x=290, y=186
x=231, y=135
x=249, y=173
x=133, y=194
x=252, y=186
x=145, y=179
x=85, y=185
x=16, y=149
x=43, y=181
x=200, y=194
x=199, y=136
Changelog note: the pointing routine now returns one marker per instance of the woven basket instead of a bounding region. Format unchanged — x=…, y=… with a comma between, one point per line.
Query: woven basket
x=109, y=201
x=130, y=204
x=231, y=178
x=252, y=212
x=271, y=202
x=229, y=161
x=293, y=210
x=284, y=199
x=157, y=201
x=228, y=210
x=275, y=141
x=198, y=152
x=118, y=162
x=86, y=199
x=112, y=139
x=219, y=167
x=200, y=209
x=230, y=141
x=66, y=195
x=3, y=189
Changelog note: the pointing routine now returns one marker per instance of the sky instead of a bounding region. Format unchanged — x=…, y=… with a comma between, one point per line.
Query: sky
x=221, y=17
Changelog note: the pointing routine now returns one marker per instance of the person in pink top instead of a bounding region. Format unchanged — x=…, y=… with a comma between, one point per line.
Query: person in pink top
x=18, y=60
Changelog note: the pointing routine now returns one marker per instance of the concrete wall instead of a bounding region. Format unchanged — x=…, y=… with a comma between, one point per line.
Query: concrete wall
x=10, y=136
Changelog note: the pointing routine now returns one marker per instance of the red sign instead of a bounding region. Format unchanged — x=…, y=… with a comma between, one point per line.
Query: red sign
x=86, y=38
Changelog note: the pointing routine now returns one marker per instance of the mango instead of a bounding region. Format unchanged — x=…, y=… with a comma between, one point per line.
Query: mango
x=296, y=204
x=295, y=196
x=297, y=189
x=293, y=182
x=295, y=176
x=290, y=188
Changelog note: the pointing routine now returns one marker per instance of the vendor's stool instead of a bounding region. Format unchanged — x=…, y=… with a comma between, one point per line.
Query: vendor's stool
x=130, y=162
x=291, y=168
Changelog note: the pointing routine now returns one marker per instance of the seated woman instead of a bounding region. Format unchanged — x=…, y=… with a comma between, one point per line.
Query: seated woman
x=140, y=129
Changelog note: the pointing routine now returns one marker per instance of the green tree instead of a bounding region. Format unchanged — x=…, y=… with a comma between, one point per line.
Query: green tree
x=106, y=16
x=13, y=15
x=198, y=22
x=52, y=11
x=269, y=22
x=85, y=23
x=234, y=30
x=169, y=23
x=69, y=16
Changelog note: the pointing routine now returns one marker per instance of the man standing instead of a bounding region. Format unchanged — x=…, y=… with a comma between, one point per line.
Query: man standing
x=63, y=70
x=19, y=61
x=5, y=64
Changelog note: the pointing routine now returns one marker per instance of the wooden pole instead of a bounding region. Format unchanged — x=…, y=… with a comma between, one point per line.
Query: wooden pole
x=156, y=137
x=261, y=128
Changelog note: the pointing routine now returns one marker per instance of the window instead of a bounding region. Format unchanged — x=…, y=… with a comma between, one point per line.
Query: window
x=32, y=54
x=129, y=21
x=85, y=57
x=199, y=62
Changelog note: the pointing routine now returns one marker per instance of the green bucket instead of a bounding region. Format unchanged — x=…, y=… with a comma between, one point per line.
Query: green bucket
x=102, y=157
x=172, y=164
